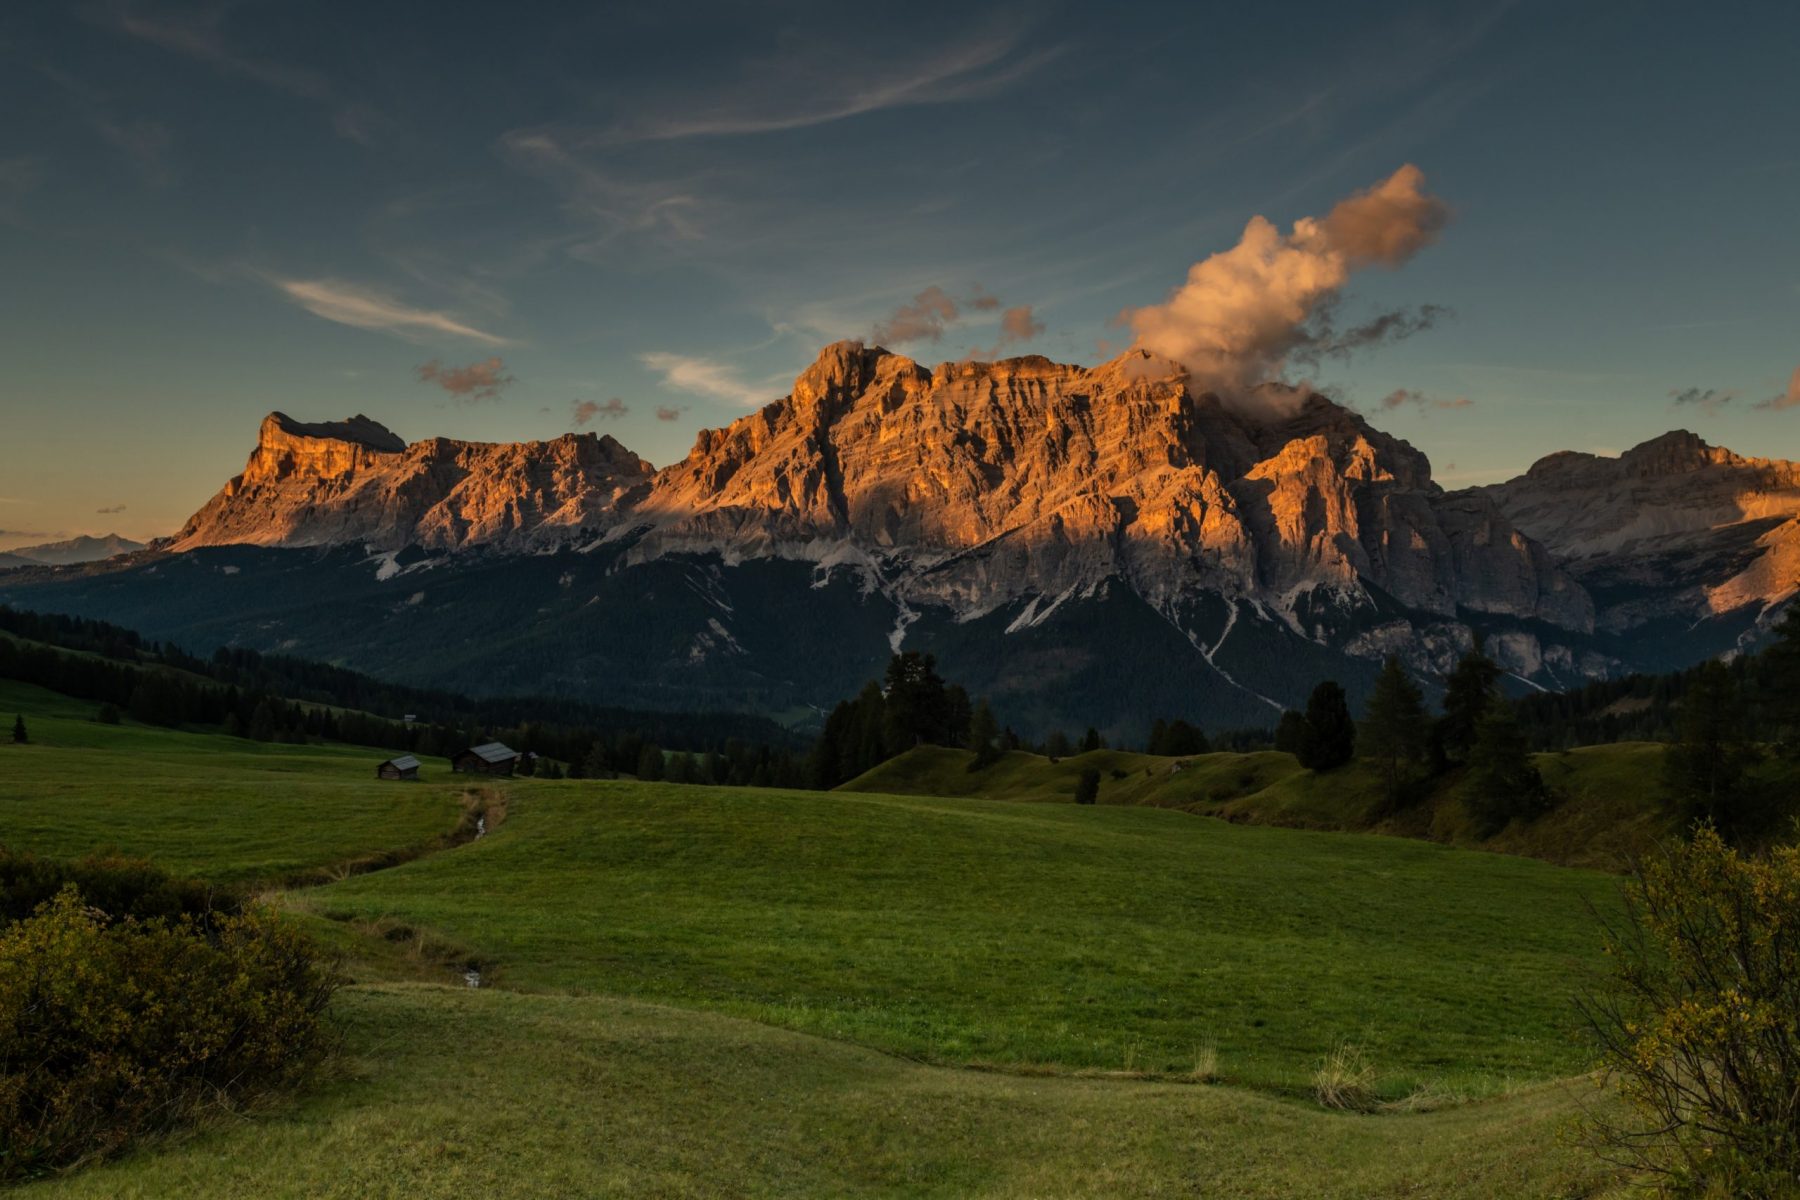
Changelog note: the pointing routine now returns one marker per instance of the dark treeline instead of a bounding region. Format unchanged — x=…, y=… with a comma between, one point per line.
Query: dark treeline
x=276, y=698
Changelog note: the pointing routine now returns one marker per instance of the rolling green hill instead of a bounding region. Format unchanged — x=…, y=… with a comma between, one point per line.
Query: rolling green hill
x=1609, y=806
x=697, y=990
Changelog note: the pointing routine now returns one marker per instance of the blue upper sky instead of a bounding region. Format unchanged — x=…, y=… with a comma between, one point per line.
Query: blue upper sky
x=654, y=215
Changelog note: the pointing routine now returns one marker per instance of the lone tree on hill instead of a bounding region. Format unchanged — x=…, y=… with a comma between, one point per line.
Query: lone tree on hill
x=1469, y=693
x=1704, y=771
x=1176, y=739
x=983, y=729
x=1330, y=739
x=19, y=735
x=1087, y=786
x=1290, y=732
x=1394, y=731
x=1503, y=781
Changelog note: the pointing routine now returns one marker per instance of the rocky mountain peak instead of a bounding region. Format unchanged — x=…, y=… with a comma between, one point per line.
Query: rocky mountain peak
x=359, y=430
x=1674, y=453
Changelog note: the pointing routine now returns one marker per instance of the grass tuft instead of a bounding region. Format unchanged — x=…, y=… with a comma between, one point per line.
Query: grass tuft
x=1345, y=1080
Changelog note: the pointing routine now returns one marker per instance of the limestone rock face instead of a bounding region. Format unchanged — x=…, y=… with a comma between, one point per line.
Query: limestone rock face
x=970, y=487
x=1674, y=528
x=973, y=484
x=354, y=481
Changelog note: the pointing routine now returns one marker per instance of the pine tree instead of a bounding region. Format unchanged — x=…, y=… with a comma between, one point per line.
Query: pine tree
x=1704, y=772
x=1330, y=739
x=263, y=725
x=20, y=737
x=1290, y=732
x=1503, y=781
x=650, y=763
x=1090, y=741
x=1056, y=745
x=1087, y=786
x=598, y=764
x=1394, y=729
x=982, y=731
x=1469, y=692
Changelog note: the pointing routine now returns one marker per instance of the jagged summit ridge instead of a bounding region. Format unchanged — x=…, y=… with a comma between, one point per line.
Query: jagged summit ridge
x=968, y=486
x=355, y=481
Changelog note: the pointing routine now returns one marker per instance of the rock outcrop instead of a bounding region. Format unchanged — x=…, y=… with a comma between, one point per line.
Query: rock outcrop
x=1673, y=528
x=355, y=482
x=977, y=483
x=968, y=488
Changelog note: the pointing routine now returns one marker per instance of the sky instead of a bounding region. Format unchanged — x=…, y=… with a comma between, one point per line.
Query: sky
x=505, y=222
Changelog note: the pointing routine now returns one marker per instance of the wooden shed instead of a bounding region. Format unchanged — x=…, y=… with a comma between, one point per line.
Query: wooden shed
x=489, y=758
x=404, y=767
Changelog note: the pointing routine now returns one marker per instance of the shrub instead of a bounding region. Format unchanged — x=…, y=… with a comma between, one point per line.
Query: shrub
x=1699, y=1025
x=108, y=714
x=117, y=887
x=113, y=1026
x=1087, y=786
x=1346, y=1080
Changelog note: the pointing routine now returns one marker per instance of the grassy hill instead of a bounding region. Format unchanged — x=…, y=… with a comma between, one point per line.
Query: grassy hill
x=1609, y=808
x=709, y=990
x=202, y=804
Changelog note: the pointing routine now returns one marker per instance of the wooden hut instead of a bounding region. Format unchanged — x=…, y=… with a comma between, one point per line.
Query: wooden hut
x=404, y=767
x=489, y=758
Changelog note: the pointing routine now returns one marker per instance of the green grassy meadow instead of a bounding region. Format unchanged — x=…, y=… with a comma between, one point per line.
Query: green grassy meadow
x=695, y=991
x=216, y=807
x=1610, y=808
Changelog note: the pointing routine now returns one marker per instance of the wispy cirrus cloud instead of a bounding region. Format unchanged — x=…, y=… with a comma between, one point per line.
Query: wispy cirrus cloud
x=144, y=142
x=812, y=83
x=110, y=509
x=471, y=384
x=198, y=34
x=369, y=308
x=19, y=178
x=609, y=199
x=704, y=377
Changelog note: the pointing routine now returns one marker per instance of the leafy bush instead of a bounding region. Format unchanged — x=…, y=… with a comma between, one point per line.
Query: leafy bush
x=117, y=887
x=1087, y=786
x=1700, y=1024
x=114, y=1025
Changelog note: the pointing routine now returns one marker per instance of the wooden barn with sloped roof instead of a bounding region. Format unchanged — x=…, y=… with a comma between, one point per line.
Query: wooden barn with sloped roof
x=489, y=758
x=404, y=767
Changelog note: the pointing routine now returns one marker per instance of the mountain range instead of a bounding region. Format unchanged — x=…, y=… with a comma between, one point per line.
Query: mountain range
x=1083, y=545
x=75, y=550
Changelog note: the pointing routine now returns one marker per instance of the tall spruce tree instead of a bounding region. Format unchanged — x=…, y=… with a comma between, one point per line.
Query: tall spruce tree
x=1503, y=782
x=1470, y=691
x=20, y=737
x=1705, y=771
x=1394, y=727
x=1330, y=739
x=983, y=729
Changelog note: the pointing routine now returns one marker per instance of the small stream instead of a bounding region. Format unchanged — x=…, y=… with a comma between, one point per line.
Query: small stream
x=472, y=976
x=481, y=827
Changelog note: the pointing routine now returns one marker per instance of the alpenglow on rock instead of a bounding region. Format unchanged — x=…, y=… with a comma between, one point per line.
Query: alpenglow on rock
x=356, y=483
x=969, y=490
x=974, y=484
x=1674, y=530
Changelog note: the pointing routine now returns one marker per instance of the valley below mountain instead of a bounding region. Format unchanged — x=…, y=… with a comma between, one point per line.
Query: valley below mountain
x=1082, y=545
